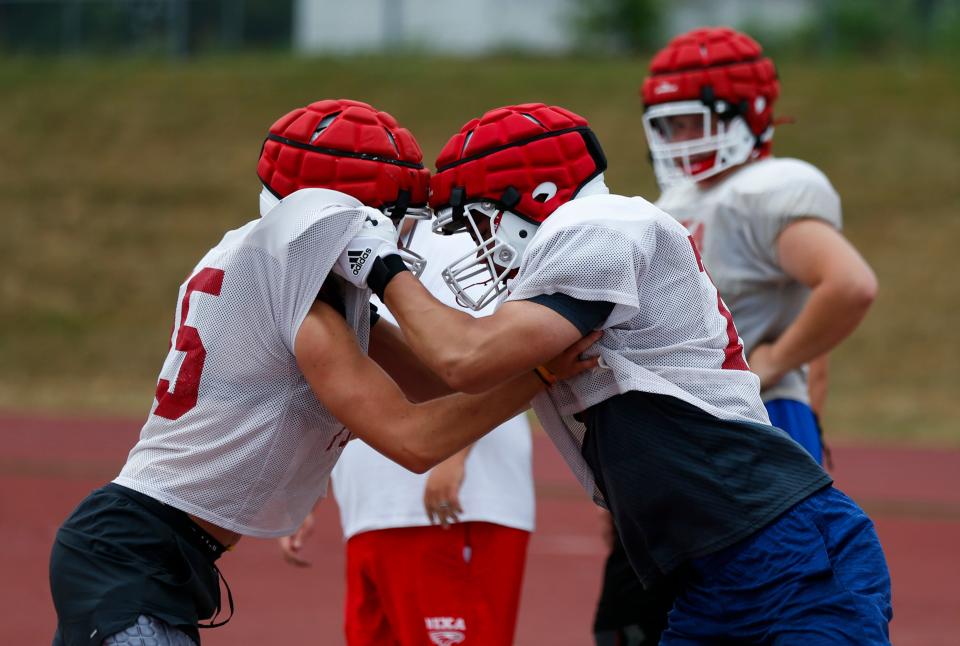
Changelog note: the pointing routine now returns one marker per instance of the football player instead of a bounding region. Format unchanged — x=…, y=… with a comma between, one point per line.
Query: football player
x=768, y=228
x=769, y=232
x=266, y=371
x=670, y=433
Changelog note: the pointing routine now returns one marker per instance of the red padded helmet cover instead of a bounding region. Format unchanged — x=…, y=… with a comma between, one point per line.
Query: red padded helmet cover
x=347, y=146
x=508, y=152
x=727, y=61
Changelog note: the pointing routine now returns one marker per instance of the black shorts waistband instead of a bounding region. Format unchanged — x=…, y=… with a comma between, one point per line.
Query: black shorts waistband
x=177, y=519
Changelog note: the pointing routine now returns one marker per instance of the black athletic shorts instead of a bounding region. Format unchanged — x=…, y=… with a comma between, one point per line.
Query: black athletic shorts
x=122, y=554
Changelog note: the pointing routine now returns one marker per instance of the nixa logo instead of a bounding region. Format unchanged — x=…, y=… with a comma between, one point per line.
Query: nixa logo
x=445, y=631
x=356, y=259
x=665, y=87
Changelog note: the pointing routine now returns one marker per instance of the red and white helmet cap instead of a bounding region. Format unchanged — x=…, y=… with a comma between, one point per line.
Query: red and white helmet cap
x=708, y=104
x=499, y=178
x=351, y=147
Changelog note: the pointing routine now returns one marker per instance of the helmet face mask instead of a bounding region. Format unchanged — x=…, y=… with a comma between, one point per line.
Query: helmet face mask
x=480, y=276
x=707, y=144
x=716, y=77
x=407, y=225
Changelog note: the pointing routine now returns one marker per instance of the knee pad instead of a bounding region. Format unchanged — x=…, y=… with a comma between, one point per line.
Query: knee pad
x=149, y=631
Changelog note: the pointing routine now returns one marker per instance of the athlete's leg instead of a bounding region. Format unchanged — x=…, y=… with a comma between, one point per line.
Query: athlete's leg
x=420, y=574
x=365, y=618
x=456, y=585
x=497, y=555
x=114, y=559
x=628, y=615
x=149, y=631
x=814, y=576
x=857, y=559
x=446, y=603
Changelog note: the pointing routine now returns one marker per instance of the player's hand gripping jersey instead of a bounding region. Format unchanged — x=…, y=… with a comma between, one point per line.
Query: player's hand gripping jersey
x=668, y=333
x=736, y=225
x=236, y=436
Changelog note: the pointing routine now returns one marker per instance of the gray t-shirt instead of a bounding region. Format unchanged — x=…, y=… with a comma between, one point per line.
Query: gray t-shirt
x=736, y=225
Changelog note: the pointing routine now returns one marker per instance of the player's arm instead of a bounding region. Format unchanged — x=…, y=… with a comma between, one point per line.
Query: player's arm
x=473, y=354
x=417, y=436
x=842, y=289
x=441, y=494
x=389, y=349
x=818, y=382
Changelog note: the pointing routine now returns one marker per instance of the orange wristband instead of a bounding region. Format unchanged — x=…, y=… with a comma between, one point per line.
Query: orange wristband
x=545, y=375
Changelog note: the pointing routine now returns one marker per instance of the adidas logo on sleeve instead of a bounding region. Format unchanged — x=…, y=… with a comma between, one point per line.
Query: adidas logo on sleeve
x=357, y=259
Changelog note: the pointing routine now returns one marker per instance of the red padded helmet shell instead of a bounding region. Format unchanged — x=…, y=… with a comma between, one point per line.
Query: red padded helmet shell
x=727, y=62
x=346, y=146
x=508, y=152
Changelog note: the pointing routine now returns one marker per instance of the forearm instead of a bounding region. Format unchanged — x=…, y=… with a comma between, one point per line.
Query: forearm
x=831, y=313
x=359, y=393
x=464, y=453
x=461, y=455
x=449, y=342
x=433, y=431
x=389, y=349
x=842, y=289
x=818, y=380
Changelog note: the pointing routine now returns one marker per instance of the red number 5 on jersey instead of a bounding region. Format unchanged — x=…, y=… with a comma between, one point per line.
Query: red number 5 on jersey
x=184, y=395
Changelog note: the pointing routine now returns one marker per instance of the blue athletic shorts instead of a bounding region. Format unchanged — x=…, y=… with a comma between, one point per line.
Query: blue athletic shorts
x=816, y=575
x=798, y=420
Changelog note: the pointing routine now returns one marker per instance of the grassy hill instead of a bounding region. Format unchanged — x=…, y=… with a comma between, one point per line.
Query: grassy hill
x=115, y=176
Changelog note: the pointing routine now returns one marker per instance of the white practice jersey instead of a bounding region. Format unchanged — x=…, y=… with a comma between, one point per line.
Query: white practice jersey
x=375, y=493
x=736, y=225
x=235, y=435
x=668, y=333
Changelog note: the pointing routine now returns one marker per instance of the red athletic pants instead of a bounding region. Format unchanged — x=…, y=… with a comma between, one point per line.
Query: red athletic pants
x=429, y=586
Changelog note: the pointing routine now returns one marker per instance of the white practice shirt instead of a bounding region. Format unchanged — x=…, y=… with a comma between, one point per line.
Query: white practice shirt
x=668, y=333
x=235, y=435
x=736, y=224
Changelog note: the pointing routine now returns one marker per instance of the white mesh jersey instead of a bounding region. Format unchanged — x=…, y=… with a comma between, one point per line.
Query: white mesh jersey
x=374, y=493
x=235, y=435
x=736, y=225
x=668, y=333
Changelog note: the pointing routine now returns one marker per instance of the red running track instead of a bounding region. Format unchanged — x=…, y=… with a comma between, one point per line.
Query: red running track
x=47, y=465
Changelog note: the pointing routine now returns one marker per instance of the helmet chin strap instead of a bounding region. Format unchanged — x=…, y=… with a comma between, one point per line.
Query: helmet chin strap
x=267, y=201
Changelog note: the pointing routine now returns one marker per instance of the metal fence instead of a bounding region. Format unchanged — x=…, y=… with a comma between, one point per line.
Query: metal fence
x=181, y=28
x=177, y=28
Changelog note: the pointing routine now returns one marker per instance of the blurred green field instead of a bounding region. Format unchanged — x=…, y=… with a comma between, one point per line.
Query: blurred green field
x=116, y=175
